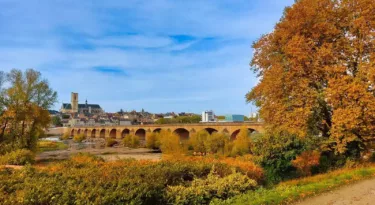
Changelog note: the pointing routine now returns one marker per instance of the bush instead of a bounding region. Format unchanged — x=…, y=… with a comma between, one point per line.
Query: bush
x=65, y=136
x=170, y=143
x=202, y=191
x=85, y=179
x=17, y=157
x=216, y=142
x=109, y=142
x=152, y=141
x=241, y=145
x=305, y=161
x=45, y=145
x=198, y=141
x=79, y=138
x=275, y=152
x=131, y=141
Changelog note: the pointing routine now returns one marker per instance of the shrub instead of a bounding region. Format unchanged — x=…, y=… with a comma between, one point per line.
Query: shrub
x=85, y=179
x=241, y=144
x=109, y=142
x=246, y=165
x=216, y=142
x=305, y=161
x=170, y=143
x=79, y=138
x=65, y=136
x=275, y=152
x=202, y=191
x=45, y=145
x=17, y=157
x=198, y=141
x=131, y=141
x=152, y=141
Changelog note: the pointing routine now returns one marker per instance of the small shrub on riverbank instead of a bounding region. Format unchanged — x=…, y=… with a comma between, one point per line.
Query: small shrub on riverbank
x=170, y=143
x=153, y=141
x=79, y=138
x=198, y=141
x=65, y=136
x=131, y=141
x=241, y=145
x=45, y=145
x=109, y=142
x=17, y=157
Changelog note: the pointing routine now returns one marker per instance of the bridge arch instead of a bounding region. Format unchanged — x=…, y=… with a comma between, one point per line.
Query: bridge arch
x=141, y=133
x=72, y=133
x=102, y=133
x=210, y=130
x=93, y=133
x=183, y=133
x=79, y=131
x=125, y=132
x=157, y=130
x=85, y=132
x=112, y=133
x=233, y=136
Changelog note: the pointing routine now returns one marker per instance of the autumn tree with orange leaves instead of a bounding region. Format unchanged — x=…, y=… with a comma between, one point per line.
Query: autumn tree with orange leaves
x=317, y=72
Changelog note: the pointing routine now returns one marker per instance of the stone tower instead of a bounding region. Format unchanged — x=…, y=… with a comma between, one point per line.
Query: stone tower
x=74, y=102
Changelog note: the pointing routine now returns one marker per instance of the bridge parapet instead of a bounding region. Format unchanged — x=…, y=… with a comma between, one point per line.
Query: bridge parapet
x=184, y=130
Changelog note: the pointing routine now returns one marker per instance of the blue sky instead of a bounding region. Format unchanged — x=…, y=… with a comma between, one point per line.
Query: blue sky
x=160, y=55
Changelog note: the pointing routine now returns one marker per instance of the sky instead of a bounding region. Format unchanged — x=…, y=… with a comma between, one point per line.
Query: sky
x=160, y=55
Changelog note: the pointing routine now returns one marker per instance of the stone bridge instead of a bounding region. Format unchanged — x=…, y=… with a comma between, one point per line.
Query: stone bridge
x=183, y=130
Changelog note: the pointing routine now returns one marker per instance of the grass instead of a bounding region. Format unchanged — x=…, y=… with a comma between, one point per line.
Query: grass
x=45, y=145
x=294, y=190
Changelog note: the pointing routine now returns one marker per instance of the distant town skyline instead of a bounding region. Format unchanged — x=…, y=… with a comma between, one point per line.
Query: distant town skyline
x=181, y=56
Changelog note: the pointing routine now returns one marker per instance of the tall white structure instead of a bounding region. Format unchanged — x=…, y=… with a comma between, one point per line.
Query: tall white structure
x=208, y=116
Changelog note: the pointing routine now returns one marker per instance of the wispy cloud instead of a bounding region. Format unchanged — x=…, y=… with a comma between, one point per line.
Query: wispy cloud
x=160, y=55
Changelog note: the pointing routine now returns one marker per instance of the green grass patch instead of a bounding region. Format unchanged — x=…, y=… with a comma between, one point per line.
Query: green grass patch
x=45, y=145
x=294, y=190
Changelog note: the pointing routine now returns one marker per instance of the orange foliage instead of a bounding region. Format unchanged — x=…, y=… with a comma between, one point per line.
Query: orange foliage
x=244, y=164
x=305, y=161
x=317, y=71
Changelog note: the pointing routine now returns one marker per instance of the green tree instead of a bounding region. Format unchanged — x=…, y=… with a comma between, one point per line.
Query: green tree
x=56, y=121
x=216, y=142
x=25, y=105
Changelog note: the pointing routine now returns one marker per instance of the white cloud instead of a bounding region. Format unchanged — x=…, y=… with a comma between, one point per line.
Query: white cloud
x=66, y=39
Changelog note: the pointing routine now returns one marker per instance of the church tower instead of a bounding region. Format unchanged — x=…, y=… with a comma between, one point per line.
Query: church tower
x=74, y=102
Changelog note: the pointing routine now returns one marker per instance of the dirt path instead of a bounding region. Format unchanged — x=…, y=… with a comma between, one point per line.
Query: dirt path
x=361, y=193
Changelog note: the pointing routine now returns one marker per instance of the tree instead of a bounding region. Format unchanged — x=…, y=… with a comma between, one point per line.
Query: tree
x=317, y=72
x=242, y=143
x=56, y=121
x=25, y=105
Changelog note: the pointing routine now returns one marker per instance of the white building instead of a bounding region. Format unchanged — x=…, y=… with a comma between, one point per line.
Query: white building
x=208, y=116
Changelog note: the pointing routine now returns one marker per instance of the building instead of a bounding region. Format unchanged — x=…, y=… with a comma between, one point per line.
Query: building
x=234, y=118
x=208, y=116
x=75, y=107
